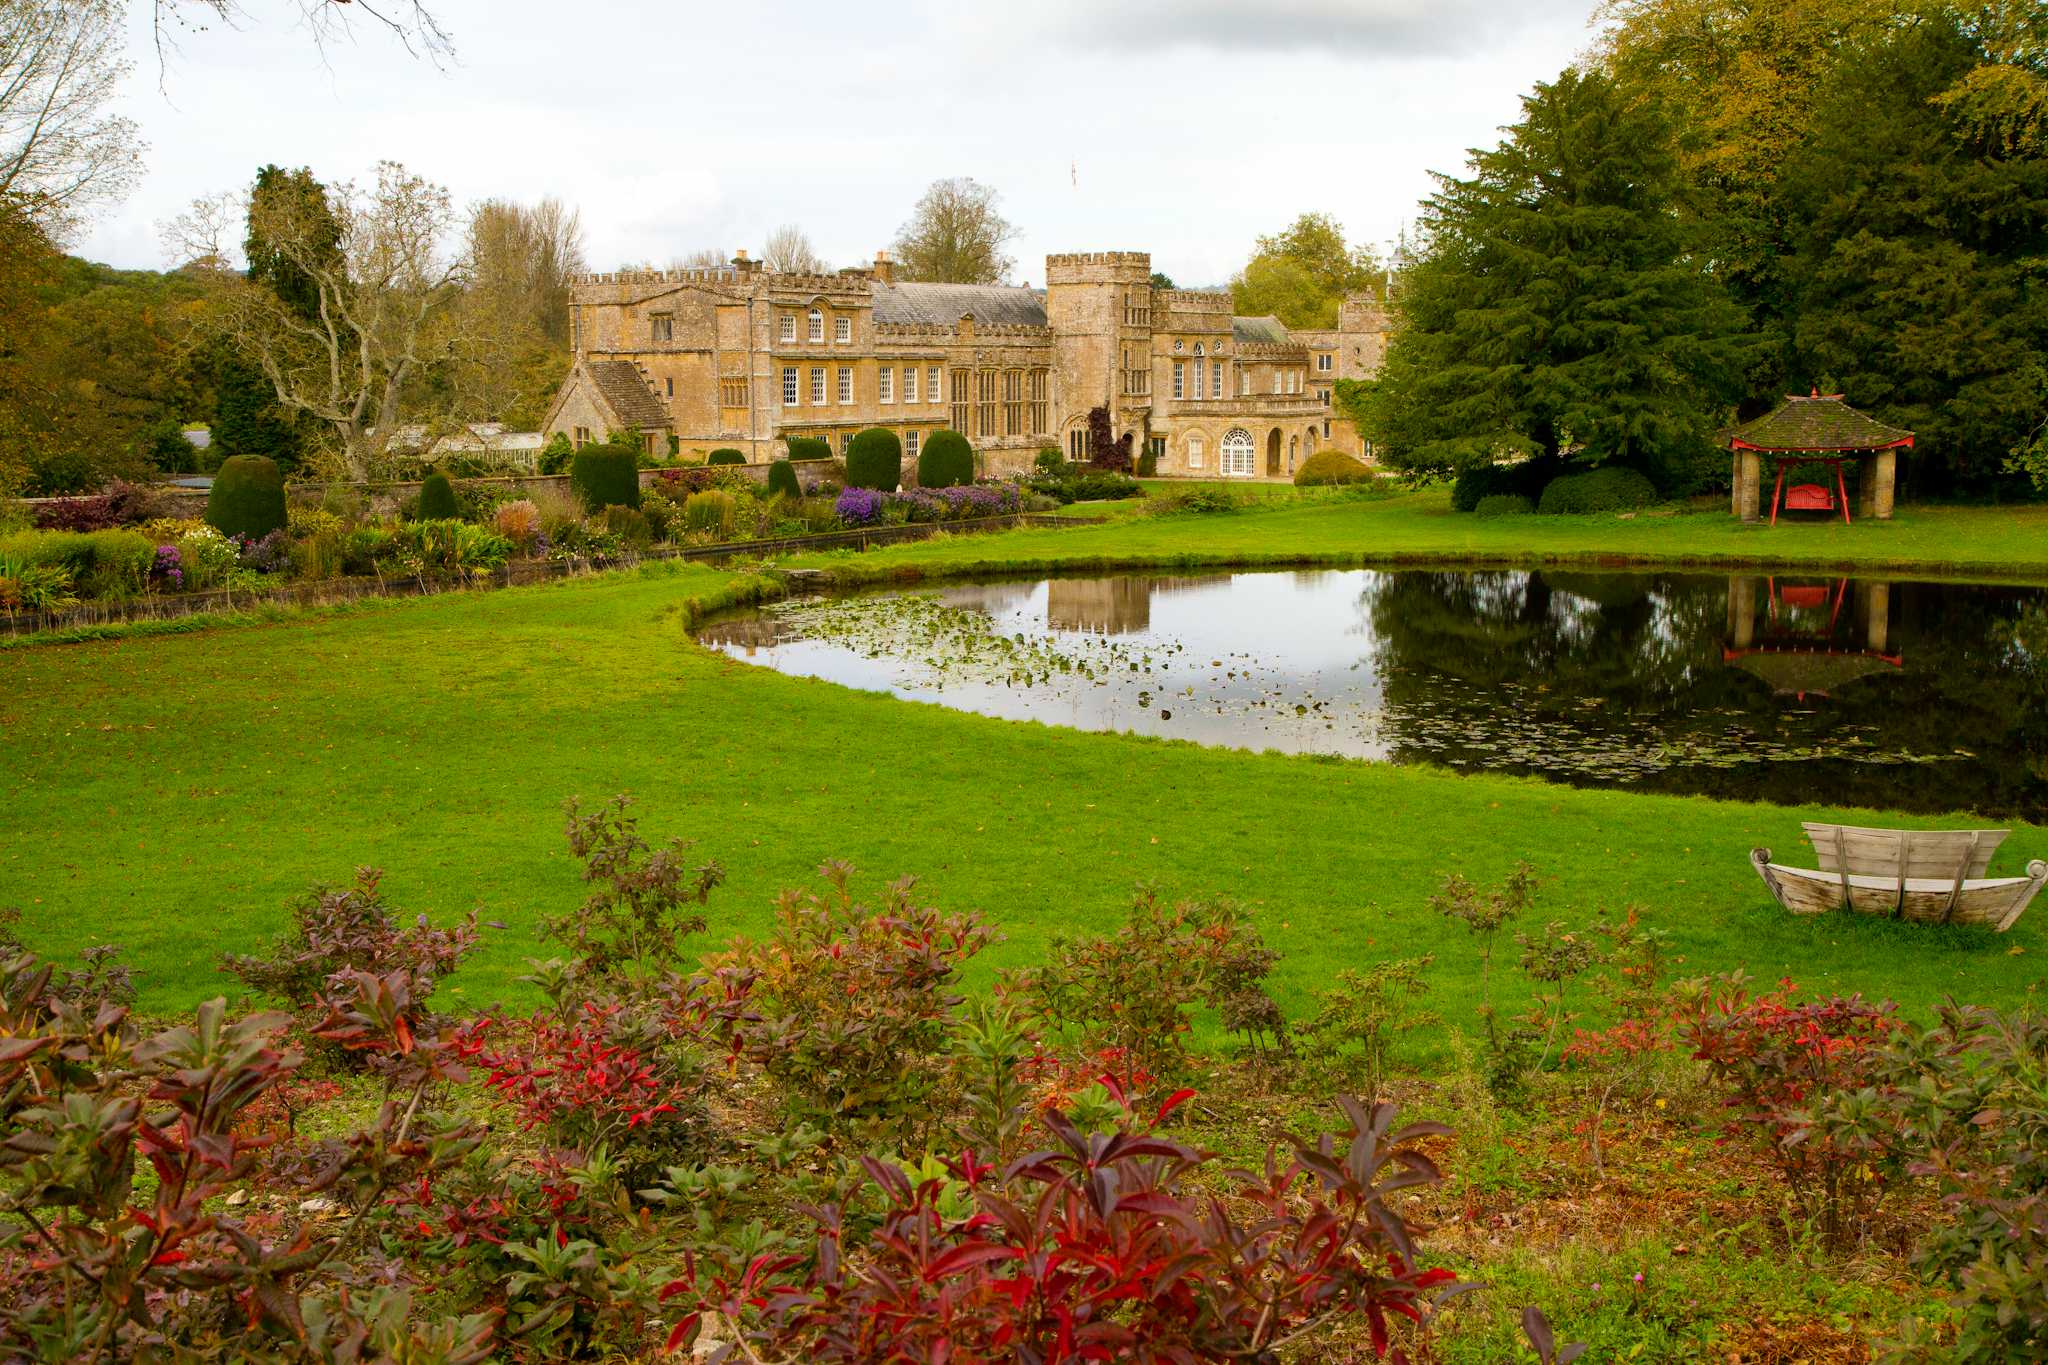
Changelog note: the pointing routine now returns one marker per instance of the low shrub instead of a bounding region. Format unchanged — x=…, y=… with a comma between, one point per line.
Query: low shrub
x=859, y=507
x=664, y=514
x=1526, y=477
x=111, y=563
x=271, y=554
x=556, y=454
x=726, y=455
x=247, y=501
x=1329, y=467
x=782, y=480
x=803, y=448
x=209, y=558
x=946, y=461
x=1610, y=488
x=1197, y=500
x=1049, y=460
x=632, y=529
x=604, y=476
x=437, y=499
x=875, y=460
x=1503, y=505
x=710, y=511
x=34, y=587
x=458, y=546
x=1148, y=465
x=93, y=513
x=1079, y=483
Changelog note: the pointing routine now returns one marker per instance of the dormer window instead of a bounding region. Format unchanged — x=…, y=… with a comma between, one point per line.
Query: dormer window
x=817, y=325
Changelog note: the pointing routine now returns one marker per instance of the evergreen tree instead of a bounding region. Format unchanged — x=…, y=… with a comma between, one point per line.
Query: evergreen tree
x=247, y=419
x=1559, y=309
x=1918, y=234
x=273, y=268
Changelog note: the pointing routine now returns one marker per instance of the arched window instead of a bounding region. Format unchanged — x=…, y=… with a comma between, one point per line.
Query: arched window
x=1198, y=349
x=817, y=325
x=1311, y=440
x=1238, y=453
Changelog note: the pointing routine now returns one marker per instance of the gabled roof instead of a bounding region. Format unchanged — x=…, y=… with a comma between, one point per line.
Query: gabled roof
x=1267, y=329
x=992, y=305
x=1817, y=422
x=627, y=393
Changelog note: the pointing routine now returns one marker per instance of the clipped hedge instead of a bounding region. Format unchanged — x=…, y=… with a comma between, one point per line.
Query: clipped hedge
x=1610, y=488
x=437, y=499
x=875, y=460
x=1504, y=505
x=247, y=498
x=1327, y=467
x=605, y=476
x=782, y=479
x=808, y=448
x=947, y=461
x=726, y=455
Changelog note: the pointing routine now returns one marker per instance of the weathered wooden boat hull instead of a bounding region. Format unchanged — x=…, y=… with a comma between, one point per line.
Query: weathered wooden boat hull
x=1993, y=902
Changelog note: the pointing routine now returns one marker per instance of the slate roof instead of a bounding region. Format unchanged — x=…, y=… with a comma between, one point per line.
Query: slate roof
x=993, y=305
x=1267, y=329
x=1817, y=422
x=620, y=383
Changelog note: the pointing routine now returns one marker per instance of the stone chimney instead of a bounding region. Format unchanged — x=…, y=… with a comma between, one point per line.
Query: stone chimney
x=885, y=269
x=742, y=264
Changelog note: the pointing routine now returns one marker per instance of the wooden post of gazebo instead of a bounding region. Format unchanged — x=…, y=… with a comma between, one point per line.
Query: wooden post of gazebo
x=1819, y=428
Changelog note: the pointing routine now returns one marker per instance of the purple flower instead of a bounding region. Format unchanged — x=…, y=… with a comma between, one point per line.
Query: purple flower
x=859, y=507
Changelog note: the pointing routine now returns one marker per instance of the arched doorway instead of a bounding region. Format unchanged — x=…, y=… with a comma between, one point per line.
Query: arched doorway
x=1293, y=452
x=1273, y=454
x=1238, y=454
x=1311, y=447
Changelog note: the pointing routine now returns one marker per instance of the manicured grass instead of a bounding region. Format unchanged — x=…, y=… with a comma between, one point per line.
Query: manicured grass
x=168, y=793
x=1329, y=526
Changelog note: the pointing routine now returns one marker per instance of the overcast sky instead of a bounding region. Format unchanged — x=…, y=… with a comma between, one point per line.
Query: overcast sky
x=1183, y=127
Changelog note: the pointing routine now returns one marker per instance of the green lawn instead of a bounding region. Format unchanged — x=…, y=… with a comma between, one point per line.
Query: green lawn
x=1326, y=525
x=169, y=792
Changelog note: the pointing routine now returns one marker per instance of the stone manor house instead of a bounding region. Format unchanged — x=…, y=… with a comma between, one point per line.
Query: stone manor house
x=744, y=356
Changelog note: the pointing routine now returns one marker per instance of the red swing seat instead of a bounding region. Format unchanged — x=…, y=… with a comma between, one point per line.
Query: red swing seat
x=1809, y=497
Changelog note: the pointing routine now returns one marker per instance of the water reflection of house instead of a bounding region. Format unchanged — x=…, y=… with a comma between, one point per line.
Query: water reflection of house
x=1813, y=638
x=1109, y=606
x=750, y=632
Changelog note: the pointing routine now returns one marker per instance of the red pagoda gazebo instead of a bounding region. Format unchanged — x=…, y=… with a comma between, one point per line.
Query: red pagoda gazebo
x=1817, y=429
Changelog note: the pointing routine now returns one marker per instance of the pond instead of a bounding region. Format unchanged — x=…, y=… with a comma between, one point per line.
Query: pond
x=1907, y=696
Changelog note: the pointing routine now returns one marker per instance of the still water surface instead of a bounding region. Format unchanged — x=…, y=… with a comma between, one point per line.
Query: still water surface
x=1909, y=696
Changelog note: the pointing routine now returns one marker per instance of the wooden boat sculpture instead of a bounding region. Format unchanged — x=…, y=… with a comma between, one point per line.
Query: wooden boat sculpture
x=1936, y=876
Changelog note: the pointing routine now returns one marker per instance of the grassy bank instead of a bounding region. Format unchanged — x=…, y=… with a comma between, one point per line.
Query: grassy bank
x=1329, y=527
x=169, y=793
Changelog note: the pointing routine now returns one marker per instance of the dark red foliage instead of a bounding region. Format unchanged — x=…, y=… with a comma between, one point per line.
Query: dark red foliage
x=1096, y=1249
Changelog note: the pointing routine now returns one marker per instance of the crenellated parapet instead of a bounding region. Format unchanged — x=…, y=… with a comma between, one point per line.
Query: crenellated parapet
x=940, y=332
x=1270, y=350
x=706, y=275
x=835, y=283
x=1192, y=300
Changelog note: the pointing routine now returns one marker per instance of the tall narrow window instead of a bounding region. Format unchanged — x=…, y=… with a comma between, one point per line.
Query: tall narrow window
x=960, y=397
x=985, y=402
x=1013, y=402
x=1279, y=382
x=662, y=326
x=818, y=386
x=846, y=383
x=1195, y=450
x=817, y=325
x=842, y=329
x=1041, y=386
x=671, y=385
x=910, y=444
x=1323, y=361
x=788, y=327
x=931, y=385
x=885, y=385
x=1180, y=378
x=909, y=384
x=789, y=386
x=1215, y=379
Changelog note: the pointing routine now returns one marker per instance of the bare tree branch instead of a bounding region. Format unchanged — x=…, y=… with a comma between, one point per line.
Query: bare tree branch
x=411, y=22
x=60, y=152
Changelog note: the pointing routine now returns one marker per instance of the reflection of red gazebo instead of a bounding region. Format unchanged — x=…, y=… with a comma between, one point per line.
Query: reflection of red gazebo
x=1804, y=659
x=1817, y=429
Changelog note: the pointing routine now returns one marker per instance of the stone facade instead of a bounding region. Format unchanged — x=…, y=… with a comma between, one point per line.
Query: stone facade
x=745, y=357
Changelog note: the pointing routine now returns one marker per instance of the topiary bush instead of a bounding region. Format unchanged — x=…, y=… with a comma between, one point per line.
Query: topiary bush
x=1526, y=477
x=946, y=461
x=726, y=455
x=1504, y=505
x=247, y=498
x=437, y=499
x=875, y=460
x=605, y=476
x=1610, y=488
x=1329, y=467
x=808, y=448
x=782, y=480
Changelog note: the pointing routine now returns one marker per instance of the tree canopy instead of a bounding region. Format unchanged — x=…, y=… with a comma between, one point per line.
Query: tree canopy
x=1301, y=274
x=1559, y=308
x=955, y=235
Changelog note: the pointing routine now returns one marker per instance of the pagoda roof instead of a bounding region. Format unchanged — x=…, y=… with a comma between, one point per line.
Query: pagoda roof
x=1817, y=422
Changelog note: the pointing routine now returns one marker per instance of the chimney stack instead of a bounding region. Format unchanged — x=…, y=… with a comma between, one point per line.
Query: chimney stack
x=885, y=269
x=741, y=263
